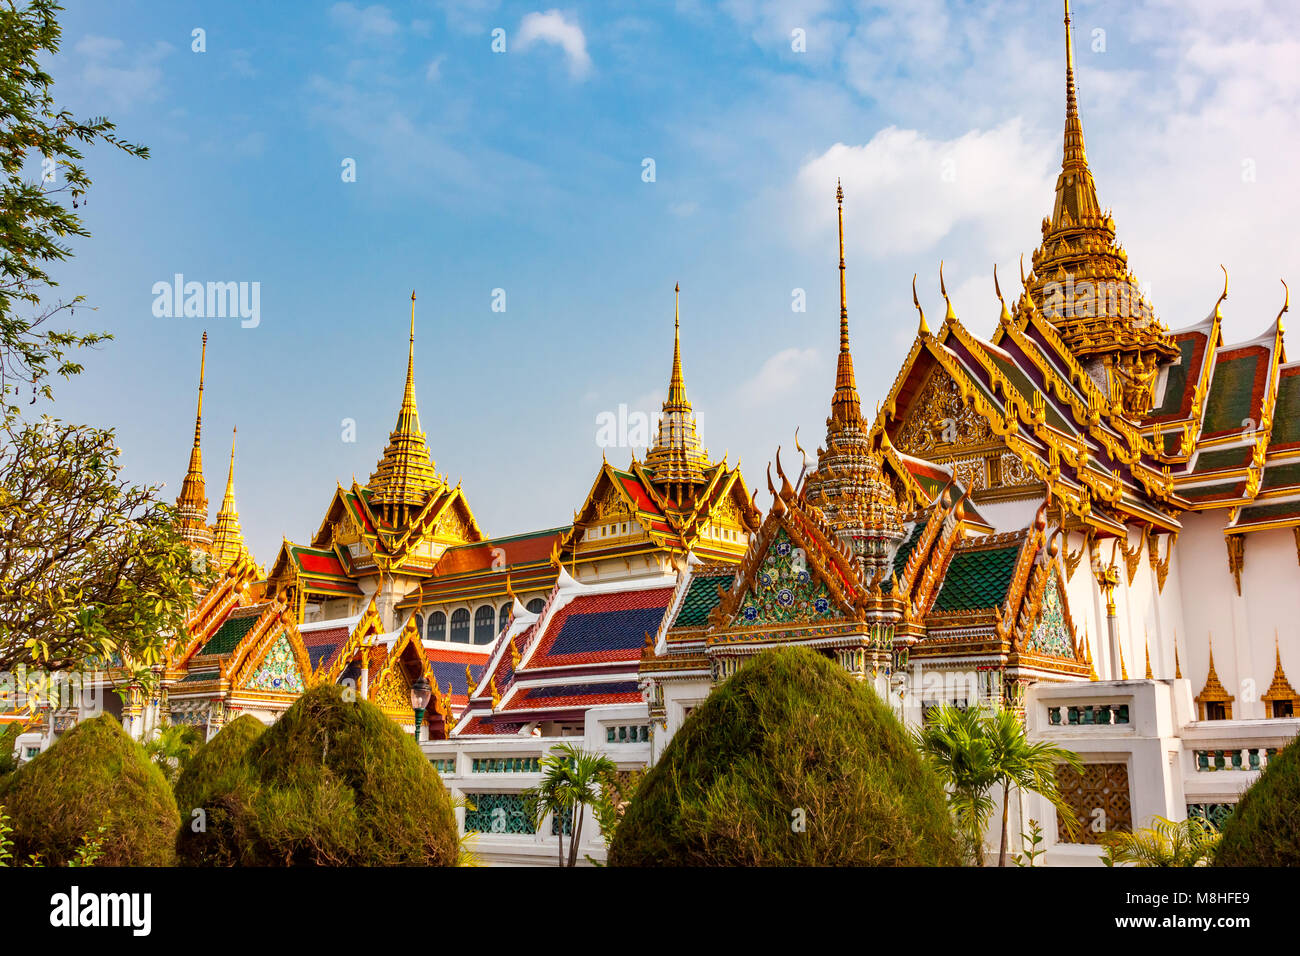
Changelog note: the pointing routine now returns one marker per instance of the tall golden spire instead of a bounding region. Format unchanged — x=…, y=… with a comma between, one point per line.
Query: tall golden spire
x=227, y=537
x=849, y=485
x=1081, y=280
x=677, y=461
x=846, y=405
x=405, y=477
x=192, y=503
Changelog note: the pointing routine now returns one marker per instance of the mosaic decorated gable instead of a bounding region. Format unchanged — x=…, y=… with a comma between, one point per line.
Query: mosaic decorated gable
x=1051, y=635
x=278, y=671
x=785, y=590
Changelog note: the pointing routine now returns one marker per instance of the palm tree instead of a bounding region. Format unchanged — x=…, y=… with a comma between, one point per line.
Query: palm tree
x=1030, y=767
x=173, y=748
x=572, y=780
x=973, y=751
x=1189, y=842
x=953, y=740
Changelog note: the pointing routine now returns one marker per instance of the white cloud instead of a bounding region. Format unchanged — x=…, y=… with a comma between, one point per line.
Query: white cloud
x=911, y=192
x=433, y=72
x=372, y=21
x=784, y=373
x=123, y=85
x=553, y=28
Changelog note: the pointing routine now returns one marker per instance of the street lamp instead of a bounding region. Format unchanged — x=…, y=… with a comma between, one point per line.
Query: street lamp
x=421, y=691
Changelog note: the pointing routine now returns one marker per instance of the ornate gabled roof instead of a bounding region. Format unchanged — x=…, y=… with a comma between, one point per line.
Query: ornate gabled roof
x=227, y=538
x=583, y=650
x=484, y=568
x=1213, y=689
x=1280, y=688
x=677, y=462
x=405, y=478
x=192, y=504
x=1081, y=278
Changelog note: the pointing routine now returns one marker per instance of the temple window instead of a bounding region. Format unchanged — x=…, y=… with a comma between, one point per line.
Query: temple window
x=419, y=624
x=436, y=629
x=484, y=625
x=460, y=626
x=535, y=606
x=503, y=617
x=1283, y=708
x=1214, y=710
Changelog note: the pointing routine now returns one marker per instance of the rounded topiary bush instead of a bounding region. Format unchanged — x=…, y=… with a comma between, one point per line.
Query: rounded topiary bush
x=334, y=782
x=94, y=776
x=790, y=762
x=1264, y=829
x=215, y=781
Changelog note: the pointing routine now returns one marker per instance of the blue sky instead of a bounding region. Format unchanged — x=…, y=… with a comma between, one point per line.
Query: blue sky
x=523, y=171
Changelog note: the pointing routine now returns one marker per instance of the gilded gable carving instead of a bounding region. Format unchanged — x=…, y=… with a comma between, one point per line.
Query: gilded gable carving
x=612, y=505
x=939, y=421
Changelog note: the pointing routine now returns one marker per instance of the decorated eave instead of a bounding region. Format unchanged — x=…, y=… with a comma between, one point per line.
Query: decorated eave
x=228, y=657
x=1038, y=413
x=581, y=650
x=351, y=520
x=483, y=568
x=231, y=590
x=656, y=522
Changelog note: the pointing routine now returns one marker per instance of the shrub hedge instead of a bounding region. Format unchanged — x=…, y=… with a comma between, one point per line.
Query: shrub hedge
x=1264, y=830
x=93, y=776
x=790, y=762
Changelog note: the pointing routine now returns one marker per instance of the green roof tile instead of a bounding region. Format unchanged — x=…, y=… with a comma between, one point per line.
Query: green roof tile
x=1286, y=413
x=228, y=636
x=701, y=598
x=1231, y=399
x=977, y=579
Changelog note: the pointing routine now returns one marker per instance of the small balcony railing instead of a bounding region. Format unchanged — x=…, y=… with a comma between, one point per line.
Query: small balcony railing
x=1088, y=715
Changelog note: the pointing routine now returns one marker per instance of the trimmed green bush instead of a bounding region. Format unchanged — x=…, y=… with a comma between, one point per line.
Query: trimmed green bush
x=1264, y=829
x=94, y=776
x=332, y=783
x=790, y=739
x=213, y=781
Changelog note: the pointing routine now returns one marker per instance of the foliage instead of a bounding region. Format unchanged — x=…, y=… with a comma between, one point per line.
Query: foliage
x=41, y=142
x=790, y=762
x=207, y=793
x=9, y=733
x=95, y=784
x=1033, y=846
x=1264, y=829
x=973, y=751
x=1189, y=842
x=334, y=782
x=91, y=567
x=173, y=748
x=573, y=779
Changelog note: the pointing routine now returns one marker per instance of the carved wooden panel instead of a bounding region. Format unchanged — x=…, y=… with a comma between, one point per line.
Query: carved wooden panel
x=1099, y=798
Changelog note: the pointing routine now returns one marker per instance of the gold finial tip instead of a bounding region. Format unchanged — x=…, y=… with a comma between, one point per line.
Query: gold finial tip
x=412, y=295
x=677, y=287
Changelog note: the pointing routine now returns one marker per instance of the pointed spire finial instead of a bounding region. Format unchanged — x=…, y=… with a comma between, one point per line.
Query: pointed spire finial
x=846, y=405
x=923, y=329
x=1217, y=313
x=949, y=315
x=1004, y=316
x=192, y=503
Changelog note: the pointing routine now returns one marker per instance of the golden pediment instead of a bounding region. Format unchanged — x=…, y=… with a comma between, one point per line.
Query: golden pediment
x=940, y=423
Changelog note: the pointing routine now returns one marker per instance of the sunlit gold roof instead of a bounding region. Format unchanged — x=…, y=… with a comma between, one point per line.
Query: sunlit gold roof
x=849, y=486
x=227, y=537
x=677, y=458
x=405, y=476
x=1081, y=279
x=192, y=504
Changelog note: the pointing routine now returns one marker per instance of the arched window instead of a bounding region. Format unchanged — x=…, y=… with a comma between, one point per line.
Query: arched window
x=535, y=605
x=419, y=624
x=437, y=627
x=484, y=625
x=460, y=626
x=503, y=616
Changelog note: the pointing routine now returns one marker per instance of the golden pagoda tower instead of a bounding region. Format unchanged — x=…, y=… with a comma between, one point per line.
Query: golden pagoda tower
x=405, y=477
x=227, y=537
x=192, y=504
x=849, y=485
x=1082, y=283
x=677, y=462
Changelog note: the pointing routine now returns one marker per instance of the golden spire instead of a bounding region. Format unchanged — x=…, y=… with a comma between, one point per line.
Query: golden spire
x=1081, y=280
x=849, y=486
x=846, y=406
x=1178, y=668
x=1146, y=645
x=677, y=461
x=1280, y=689
x=192, y=504
x=405, y=477
x=227, y=538
x=1087, y=656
